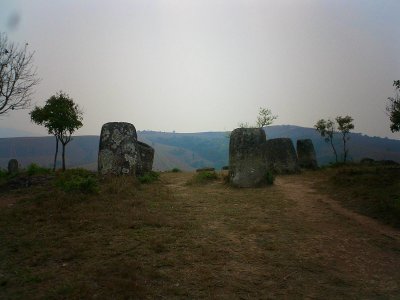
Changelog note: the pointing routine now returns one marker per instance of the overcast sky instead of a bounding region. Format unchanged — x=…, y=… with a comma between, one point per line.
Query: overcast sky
x=206, y=65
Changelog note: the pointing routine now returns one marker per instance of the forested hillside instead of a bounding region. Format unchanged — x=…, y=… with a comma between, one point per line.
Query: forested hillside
x=188, y=151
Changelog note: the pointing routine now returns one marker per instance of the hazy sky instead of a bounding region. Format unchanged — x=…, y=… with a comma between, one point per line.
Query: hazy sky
x=208, y=65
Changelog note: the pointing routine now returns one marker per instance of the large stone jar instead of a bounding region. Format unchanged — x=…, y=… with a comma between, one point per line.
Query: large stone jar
x=306, y=154
x=246, y=157
x=118, y=149
x=281, y=156
x=145, y=163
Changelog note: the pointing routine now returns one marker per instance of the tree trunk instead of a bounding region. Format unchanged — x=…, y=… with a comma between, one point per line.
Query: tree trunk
x=55, y=156
x=334, y=150
x=344, y=148
x=63, y=156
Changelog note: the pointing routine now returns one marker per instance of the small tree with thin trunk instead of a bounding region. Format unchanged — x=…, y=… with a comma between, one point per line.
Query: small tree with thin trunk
x=265, y=117
x=344, y=126
x=17, y=76
x=61, y=116
x=327, y=130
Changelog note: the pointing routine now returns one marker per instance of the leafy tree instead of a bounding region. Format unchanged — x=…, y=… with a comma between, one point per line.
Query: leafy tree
x=265, y=117
x=327, y=130
x=393, y=108
x=344, y=126
x=17, y=76
x=61, y=116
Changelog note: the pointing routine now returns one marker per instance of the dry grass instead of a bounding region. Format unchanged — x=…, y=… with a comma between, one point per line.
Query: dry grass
x=167, y=240
x=373, y=191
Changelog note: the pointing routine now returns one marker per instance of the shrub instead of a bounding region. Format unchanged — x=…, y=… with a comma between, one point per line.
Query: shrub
x=149, y=177
x=269, y=177
x=77, y=180
x=176, y=170
x=3, y=173
x=35, y=169
x=203, y=177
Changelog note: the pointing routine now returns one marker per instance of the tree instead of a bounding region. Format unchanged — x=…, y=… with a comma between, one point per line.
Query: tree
x=265, y=117
x=344, y=126
x=17, y=76
x=327, y=130
x=61, y=116
x=393, y=108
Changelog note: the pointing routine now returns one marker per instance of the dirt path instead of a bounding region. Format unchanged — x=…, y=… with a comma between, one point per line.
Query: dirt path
x=299, y=242
x=309, y=201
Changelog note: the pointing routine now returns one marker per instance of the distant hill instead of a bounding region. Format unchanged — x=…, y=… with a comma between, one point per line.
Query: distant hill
x=188, y=151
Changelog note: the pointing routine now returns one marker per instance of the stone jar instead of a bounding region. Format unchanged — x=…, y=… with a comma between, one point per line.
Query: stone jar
x=118, y=149
x=247, y=157
x=306, y=154
x=281, y=156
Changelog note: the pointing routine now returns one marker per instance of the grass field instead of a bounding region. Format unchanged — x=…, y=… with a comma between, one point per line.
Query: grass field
x=176, y=238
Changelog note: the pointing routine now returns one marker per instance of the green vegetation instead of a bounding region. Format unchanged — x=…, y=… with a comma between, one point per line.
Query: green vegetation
x=265, y=117
x=148, y=177
x=176, y=170
x=203, y=177
x=61, y=116
x=269, y=177
x=35, y=169
x=327, y=129
x=77, y=180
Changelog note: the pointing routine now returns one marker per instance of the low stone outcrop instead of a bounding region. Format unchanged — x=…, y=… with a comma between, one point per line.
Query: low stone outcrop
x=281, y=156
x=13, y=166
x=118, y=149
x=306, y=154
x=247, y=157
x=145, y=163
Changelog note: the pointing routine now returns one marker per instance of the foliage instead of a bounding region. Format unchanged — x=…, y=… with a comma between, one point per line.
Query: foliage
x=77, y=180
x=176, y=170
x=149, y=177
x=61, y=116
x=344, y=126
x=269, y=177
x=203, y=177
x=265, y=117
x=327, y=130
x=17, y=76
x=34, y=169
x=393, y=108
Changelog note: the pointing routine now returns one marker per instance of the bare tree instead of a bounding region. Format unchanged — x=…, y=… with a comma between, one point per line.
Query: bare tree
x=17, y=76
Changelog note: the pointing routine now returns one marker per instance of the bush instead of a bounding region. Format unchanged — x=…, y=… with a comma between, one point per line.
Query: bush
x=35, y=169
x=269, y=177
x=149, y=177
x=77, y=180
x=203, y=177
x=3, y=173
x=176, y=170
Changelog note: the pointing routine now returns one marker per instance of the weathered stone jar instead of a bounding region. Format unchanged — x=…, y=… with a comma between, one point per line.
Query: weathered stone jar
x=281, y=156
x=306, y=154
x=246, y=157
x=118, y=149
x=13, y=166
x=145, y=163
